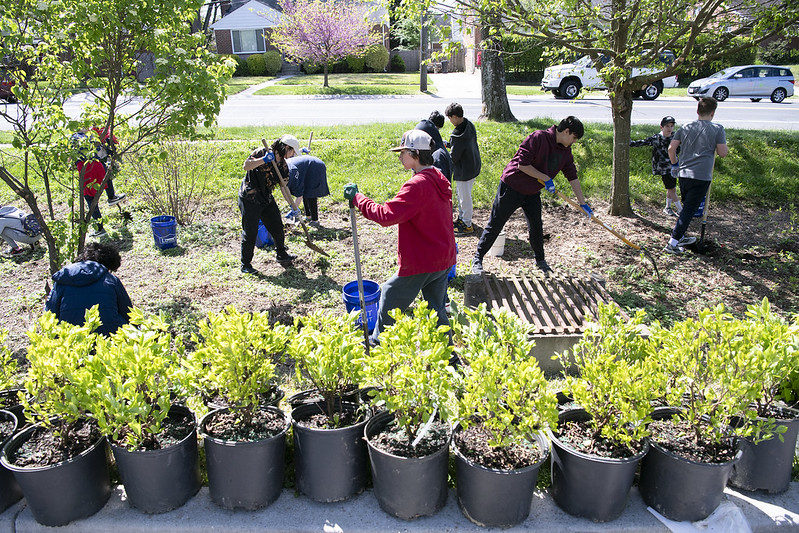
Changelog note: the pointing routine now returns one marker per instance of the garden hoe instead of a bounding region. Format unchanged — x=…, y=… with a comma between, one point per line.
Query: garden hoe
x=624, y=239
x=360, y=277
x=287, y=195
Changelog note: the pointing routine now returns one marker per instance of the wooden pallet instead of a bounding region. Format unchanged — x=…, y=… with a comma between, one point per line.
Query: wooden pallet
x=552, y=305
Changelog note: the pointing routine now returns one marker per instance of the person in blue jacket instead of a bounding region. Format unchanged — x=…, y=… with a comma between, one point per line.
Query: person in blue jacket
x=308, y=183
x=88, y=282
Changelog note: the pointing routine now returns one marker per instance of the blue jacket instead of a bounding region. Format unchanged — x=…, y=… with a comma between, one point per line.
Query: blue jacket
x=307, y=176
x=82, y=285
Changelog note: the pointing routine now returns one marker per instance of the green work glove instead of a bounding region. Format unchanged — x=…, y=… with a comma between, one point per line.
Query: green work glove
x=350, y=190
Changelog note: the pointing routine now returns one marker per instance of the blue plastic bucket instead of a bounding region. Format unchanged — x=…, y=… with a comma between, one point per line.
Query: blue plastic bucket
x=263, y=239
x=165, y=231
x=371, y=298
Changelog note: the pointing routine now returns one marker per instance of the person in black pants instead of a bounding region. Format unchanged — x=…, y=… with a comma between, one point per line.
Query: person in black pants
x=256, y=201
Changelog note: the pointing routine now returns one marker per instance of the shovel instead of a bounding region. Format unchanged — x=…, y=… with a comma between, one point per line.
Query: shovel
x=624, y=239
x=360, y=276
x=287, y=195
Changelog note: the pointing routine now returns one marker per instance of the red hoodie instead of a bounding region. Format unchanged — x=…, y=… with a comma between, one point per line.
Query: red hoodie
x=423, y=210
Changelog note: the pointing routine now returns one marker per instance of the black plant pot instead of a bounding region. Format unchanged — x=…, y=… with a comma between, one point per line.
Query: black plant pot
x=330, y=464
x=678, y=488
x=10, y=492
x=767, y=465
x=310, y=396
x=66, y=491
x=9, y=400
x=406, y=487
x=273, y=400
x=590, y=486
x=245, y=475
x=157, y=481
x=496, y=498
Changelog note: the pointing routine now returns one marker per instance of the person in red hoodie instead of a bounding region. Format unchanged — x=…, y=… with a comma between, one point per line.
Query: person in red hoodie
x=426, y=242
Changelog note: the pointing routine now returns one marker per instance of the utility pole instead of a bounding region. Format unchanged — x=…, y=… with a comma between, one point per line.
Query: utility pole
x=423, y=53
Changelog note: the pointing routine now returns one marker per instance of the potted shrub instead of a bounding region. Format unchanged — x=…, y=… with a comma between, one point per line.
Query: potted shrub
x=597, y=446
x=154, y=442
x=769, y=356
x=692, y=449
x=408, y=442
x=10, y=379
x=330, y=457
x=61, y=461
x=245, y=443
x=503, y=409
x=10, y=491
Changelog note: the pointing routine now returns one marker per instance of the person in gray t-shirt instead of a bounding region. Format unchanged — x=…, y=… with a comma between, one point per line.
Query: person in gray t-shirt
x=699, y=142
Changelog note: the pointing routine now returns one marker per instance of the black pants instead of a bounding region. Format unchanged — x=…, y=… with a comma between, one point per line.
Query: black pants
x=693, y=192
x=311, y=206
x=269, y=214
x=506, y=203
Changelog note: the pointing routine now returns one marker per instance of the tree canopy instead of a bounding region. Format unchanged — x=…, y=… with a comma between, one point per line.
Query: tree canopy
x=322, y=32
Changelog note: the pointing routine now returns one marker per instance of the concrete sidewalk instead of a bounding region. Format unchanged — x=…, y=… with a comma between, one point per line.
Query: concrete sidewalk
x=294, y=513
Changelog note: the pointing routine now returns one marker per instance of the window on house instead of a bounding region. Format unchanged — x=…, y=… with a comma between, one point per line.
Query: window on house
x=248, y=41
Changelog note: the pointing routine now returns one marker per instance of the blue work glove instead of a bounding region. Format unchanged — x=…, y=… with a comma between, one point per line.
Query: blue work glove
x=588, y=211
x=305, y=150
x=550, y=186
x=268, y=158
x=294, y=214
x=675, y=170
x=350, y=190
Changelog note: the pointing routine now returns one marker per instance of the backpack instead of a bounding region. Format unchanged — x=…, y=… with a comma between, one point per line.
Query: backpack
x=31, y=226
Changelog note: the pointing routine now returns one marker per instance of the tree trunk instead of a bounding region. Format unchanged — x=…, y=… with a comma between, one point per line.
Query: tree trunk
x=492, y=74
x=325, y=83
x=621, y=103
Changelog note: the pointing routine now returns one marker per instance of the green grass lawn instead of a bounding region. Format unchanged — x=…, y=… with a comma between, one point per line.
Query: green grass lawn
x=349, y=84
x=240, y=83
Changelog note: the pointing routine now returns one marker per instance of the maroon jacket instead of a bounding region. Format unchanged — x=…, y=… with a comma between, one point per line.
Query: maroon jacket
x=423, y=210
x=540, y=150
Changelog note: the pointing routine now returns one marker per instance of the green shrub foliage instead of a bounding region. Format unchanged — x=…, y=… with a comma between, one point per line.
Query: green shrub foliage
x=273, y=62
x=376, y=58
x=256, y=65
x=397, y=64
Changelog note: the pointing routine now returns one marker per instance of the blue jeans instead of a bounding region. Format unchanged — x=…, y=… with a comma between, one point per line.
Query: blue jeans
x=693, y=192
x=399, y=292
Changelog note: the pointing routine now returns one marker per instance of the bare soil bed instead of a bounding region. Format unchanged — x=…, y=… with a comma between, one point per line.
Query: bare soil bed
x=752, y=254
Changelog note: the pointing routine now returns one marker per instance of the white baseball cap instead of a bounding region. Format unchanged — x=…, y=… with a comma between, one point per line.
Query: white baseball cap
x=291, y=140
x=415, y=140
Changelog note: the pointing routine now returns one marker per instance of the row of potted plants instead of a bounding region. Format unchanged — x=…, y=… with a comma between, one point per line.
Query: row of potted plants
x=643, y=396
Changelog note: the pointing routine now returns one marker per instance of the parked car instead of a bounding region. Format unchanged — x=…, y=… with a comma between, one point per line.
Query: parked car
x=565, y=81
x=6, y=94
x=753, y=81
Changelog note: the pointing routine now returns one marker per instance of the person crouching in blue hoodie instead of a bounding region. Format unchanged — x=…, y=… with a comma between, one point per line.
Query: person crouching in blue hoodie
x=88, y=282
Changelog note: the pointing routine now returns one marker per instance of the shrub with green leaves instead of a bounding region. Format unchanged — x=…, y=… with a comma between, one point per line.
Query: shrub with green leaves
x=256, y=65
x=273, y=62
x=376, y=57
x=355, y=63
x=9, y=368
x=503, y=387
x=706, y=361
x=59, y=378
x=235, y=358
x=397, y=63
x=410, y=368
x=327, y=351
x=132, y=381
x=616, y=380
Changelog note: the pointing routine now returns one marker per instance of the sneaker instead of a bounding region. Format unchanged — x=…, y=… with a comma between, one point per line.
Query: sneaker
x=248, y=269
x=461, y=227
x=98, y=233
x=16, y=251
x=676, y=250
x=285, y=257
x=314, y=224
x=669, y=211
x=686, y=241
x=116, y=199
x=477, y=266
x=543, y=266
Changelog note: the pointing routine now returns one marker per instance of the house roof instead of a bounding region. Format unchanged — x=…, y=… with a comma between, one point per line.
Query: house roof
x=252, y=15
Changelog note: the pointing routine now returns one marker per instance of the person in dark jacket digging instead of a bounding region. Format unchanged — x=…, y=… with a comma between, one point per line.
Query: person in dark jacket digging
x=88, y=282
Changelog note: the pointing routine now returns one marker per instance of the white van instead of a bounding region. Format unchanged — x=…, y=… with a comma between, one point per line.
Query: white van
x=565, y=81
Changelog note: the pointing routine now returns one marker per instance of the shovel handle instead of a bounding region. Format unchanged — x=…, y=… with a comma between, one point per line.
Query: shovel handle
x=284, y=189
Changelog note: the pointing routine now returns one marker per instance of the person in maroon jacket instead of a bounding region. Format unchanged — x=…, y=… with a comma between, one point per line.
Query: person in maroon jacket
x=426, y=240
x=540, y=157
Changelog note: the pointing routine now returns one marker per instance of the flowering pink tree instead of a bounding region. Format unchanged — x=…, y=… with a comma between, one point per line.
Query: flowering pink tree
x=322, y=32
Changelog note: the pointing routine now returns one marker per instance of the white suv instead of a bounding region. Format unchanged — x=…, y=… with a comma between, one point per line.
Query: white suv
x=565, y=81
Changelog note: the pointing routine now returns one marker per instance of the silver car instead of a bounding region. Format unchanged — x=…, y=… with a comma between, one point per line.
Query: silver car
x=753, y=81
